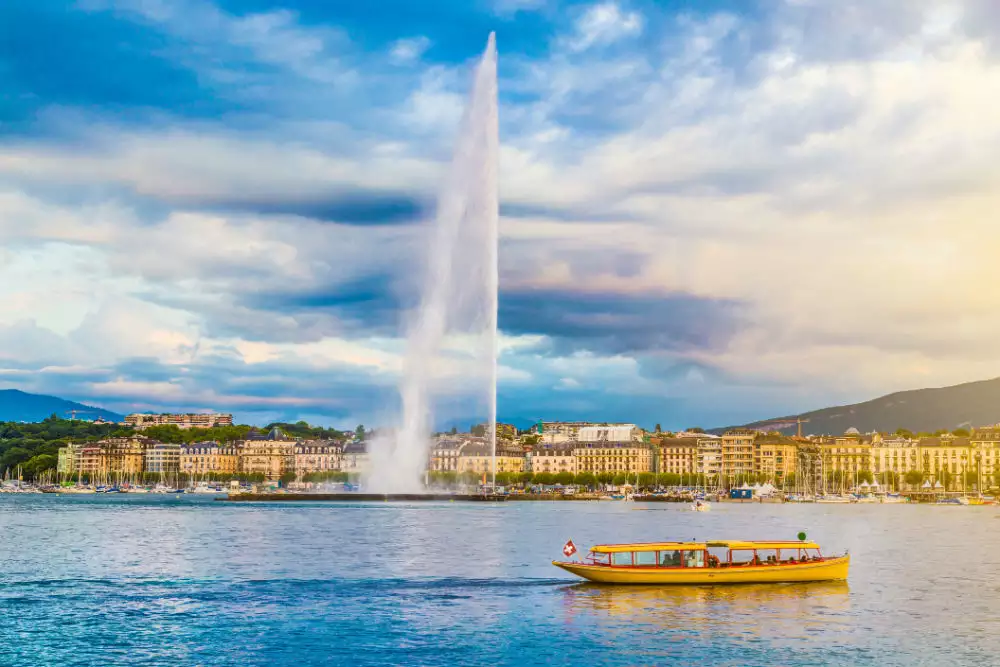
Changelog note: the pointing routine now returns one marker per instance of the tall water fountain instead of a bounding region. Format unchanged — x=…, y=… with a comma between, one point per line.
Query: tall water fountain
x=452, y=335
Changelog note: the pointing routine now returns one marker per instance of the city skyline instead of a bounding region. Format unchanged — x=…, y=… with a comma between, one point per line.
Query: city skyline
x=711, y=212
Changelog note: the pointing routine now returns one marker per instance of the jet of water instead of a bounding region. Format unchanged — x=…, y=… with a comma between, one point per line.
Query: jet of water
x=452, y=335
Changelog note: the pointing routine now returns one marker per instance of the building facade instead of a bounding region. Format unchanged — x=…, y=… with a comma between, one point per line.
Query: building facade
x=317, y=456
x=678, y=456
x=775, y=458
x=209, y=458
x=613, y=457
x=551, y=459
x=737, y=453
x=271, y=455
x=444, y=454
x=163, y=458
x=189, y=420
x=709, y=460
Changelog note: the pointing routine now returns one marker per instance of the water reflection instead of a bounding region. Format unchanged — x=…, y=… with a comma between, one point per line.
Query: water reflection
x=773, y=611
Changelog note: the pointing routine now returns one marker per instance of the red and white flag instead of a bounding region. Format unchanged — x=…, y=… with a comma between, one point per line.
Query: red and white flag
x=569, y=549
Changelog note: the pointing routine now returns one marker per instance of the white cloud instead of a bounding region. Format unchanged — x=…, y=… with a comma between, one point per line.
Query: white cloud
x=604, y=23
x=407, y=51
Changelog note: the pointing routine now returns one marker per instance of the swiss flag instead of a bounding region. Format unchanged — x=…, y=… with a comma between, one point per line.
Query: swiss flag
x=569, y=549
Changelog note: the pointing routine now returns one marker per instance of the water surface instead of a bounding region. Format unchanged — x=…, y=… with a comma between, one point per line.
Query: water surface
x=187, y=581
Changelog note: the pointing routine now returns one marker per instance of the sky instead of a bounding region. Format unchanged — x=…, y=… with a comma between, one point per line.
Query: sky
x=711, y=212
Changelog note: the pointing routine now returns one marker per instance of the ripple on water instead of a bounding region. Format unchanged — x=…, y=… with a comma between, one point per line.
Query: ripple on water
x=190, y=581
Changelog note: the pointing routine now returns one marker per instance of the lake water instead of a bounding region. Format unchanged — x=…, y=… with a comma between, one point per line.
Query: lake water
x=147, y=580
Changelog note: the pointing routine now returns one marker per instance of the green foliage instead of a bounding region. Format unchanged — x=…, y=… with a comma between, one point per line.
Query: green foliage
x=865, y=476
x=34, y=467
x=565, y=478
x=531, y=439
x=587, y=479
x=544, y=478
x=696, y=429
x=619, y=479
x=961, y=432
x=904, y=432
x=605, y=477
x=479, y=430
x=505, y=478
x=287, y=478
x=914, y=478
x=647, y=480
x=525, y=478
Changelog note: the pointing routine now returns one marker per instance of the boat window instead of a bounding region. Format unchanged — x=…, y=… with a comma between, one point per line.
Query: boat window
x=742, y=556
x=647, y=558
x=768, y=556
x=694, y=559
x=621, y=558
x=670, y=558
x=812, y=554
x=600, y=559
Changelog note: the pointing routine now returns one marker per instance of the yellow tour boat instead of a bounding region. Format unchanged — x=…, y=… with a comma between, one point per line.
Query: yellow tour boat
x=722, y=562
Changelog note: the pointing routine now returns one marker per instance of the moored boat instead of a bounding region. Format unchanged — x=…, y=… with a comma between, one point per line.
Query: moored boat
x=719, y=562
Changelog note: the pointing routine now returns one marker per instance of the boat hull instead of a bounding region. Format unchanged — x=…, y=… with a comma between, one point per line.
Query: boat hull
x=831, y=569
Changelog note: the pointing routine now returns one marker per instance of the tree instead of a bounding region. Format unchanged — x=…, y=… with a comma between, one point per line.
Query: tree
x=359, y=432
x=961, y=433
x=865, y=476
x=454, y=430
x=605, y=477
x=889, y=478
x=647, y=480
x=565, y=478
x=286, y=478
x=479, y=430
x=904, y=433
x=657, y=428
x=971, y=479
x=525, y=478
x=695, y=429
x=587, y=479
x=36, y=465
x=914, y=477
x=619, y=479
x=505, y=478
x=531, y=439
x=946, y=479
x=545, y=478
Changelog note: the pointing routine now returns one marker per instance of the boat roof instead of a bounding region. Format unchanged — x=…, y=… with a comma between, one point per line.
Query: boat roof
x=726, y=544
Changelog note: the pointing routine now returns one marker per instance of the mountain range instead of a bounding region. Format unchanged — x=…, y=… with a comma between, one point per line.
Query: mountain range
x=18, y=406
x=961, y=405
x=972, y=403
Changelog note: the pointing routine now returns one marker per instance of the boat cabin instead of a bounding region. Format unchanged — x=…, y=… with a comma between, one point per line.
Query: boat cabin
x=721, y=554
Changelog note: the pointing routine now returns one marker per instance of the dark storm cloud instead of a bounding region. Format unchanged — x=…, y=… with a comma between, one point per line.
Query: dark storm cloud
x=616, y=323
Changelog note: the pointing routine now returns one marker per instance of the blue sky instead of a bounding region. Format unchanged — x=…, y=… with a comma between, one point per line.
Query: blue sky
x=712, y=212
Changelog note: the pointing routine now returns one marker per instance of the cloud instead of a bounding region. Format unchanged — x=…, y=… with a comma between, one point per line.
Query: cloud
x=619, y=323
x=406, y=51
x=603, y=24
x=706, y=216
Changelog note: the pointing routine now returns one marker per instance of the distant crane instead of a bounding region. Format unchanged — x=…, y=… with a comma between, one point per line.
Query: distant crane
x=73, y=413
